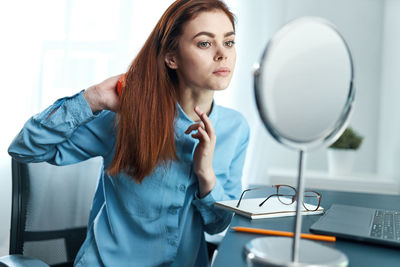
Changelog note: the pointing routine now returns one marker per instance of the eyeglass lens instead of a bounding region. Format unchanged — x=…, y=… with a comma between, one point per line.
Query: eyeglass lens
x=286, y=194
x=311, y=200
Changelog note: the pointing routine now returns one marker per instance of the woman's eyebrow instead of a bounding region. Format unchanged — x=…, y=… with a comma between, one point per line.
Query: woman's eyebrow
x=229, y=34
x=212, y=35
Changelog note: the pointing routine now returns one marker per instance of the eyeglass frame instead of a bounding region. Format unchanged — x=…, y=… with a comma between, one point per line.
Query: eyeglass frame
x=277, y=195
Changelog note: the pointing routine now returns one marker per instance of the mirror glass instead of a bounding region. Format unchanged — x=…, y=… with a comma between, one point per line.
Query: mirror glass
x=303, y=85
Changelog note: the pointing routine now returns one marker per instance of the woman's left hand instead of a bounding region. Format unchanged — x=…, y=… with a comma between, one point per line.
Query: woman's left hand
x=203, y=154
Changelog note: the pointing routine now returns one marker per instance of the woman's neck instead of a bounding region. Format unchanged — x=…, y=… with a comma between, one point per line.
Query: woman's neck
x=189, y=99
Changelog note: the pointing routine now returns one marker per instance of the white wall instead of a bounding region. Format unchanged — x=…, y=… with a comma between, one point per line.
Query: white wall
x=389, y=130
x=363, y=34
x=361, y=24
x=256, y=23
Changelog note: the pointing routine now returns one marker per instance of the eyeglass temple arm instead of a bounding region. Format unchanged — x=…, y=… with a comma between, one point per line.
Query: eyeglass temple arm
x=241, y=196
x=250, y=189
x=265, y=200
x=276, y=195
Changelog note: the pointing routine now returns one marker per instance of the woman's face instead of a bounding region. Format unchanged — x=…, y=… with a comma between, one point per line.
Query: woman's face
x=206, y=55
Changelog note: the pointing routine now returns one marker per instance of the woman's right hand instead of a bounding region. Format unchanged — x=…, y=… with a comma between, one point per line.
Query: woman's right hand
x=103, y=95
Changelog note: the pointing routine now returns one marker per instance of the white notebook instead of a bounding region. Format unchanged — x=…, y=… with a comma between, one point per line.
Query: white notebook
x=272, y=208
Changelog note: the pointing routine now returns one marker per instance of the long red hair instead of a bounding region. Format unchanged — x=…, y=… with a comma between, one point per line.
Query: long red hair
x=148, y=99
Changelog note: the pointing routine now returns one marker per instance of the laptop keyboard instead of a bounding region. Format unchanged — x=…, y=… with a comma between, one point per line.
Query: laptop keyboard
x=386, y=225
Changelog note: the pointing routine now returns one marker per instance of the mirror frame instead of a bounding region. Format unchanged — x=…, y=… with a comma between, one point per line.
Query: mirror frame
x=332, y=133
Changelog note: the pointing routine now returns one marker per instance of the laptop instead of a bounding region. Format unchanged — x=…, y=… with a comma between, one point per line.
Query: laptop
x=361, y=224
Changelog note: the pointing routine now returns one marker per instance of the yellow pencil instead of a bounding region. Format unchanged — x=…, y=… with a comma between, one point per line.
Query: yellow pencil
x=283, y=233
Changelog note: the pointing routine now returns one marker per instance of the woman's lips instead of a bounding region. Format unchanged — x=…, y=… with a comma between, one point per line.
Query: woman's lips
x=222, y=72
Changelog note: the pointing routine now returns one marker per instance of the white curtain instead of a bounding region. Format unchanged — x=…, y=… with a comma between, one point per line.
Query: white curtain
x=55, y=48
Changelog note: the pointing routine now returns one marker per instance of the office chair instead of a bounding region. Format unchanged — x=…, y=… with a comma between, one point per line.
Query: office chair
x=50, y=211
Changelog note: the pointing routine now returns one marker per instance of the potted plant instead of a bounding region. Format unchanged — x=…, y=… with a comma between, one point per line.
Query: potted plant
x=342, y=153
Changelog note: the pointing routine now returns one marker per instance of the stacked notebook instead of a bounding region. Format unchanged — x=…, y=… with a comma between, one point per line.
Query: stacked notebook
x=272, y=208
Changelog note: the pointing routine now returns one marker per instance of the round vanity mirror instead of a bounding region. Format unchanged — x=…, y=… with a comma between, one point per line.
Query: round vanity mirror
x=304, y=93
x=303, y=85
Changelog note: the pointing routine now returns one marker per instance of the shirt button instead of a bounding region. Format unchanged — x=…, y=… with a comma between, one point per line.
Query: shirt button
x=172, y=210
x=172, y=242
x=182, y=188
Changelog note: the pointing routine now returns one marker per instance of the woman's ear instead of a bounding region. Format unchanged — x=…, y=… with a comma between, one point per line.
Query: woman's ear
x=170, y=60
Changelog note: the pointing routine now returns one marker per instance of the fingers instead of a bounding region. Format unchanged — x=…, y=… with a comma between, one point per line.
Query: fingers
x=205, y=130
x=194, y=127
x=109, y=83
x=201, y=135
x=207, y=122
x=112, y=81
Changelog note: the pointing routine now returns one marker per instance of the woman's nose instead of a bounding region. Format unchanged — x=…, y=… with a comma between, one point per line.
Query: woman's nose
x=220, y=54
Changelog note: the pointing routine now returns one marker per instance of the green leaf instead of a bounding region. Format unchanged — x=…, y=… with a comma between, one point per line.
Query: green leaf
x=348, y=140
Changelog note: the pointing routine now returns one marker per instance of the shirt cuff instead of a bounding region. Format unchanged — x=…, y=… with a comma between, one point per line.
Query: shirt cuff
x=73, y=111
x=205, y=205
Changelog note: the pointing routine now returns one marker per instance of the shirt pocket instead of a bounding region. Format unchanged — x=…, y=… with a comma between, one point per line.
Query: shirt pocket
x=142, y=201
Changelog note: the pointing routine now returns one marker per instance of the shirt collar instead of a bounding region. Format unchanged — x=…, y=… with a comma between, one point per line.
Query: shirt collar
x=183, y=121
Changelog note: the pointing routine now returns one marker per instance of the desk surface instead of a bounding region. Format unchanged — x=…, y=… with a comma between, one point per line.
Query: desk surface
x=230, y=251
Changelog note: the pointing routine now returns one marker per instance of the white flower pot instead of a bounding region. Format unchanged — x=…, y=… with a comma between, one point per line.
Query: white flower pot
x=341, y=161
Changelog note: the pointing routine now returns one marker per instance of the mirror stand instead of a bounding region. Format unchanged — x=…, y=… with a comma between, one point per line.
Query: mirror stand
x=284, y=251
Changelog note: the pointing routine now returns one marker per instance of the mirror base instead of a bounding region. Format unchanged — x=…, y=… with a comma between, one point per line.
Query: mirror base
x=276, y=251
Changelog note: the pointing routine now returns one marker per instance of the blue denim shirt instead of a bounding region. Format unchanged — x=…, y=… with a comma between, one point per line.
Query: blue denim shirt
x=160, y=222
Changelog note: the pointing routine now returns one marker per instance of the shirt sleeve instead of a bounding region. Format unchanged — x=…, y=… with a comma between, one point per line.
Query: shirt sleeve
x=216, y=220
x=67, y=132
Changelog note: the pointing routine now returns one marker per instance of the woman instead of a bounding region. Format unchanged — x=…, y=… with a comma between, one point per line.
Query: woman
x=164, y=167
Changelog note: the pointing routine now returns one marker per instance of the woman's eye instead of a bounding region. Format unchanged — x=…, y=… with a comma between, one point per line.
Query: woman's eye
x=230, y=43
x=204, y=44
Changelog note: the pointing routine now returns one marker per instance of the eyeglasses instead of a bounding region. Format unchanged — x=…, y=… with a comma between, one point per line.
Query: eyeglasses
x=287, y=195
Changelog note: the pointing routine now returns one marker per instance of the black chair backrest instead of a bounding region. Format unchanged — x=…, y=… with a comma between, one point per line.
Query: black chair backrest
x=50, y=209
